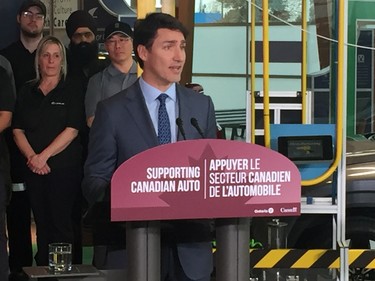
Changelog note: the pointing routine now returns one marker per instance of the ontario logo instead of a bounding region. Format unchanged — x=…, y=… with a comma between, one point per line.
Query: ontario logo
x=264, y=211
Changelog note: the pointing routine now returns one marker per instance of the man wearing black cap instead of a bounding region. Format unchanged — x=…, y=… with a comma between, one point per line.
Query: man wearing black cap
x=21, y=55
x=120, y=74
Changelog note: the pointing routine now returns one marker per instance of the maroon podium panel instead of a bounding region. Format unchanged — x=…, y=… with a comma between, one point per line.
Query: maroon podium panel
x=205, y=178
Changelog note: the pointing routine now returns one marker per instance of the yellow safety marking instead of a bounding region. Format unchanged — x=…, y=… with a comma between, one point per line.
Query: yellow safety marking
x=352, y=256
x=271, y=258
x=371, y=264
x=335, y=264
x=308, y=259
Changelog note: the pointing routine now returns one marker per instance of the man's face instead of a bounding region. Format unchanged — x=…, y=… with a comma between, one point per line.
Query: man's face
x=82, y=34
x=164, y=61
x=31, y=22
x=119, y=47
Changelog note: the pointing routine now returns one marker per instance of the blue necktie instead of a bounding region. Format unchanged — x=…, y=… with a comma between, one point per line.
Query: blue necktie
x=164, y=127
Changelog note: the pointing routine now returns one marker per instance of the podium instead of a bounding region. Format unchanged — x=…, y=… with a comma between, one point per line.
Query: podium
x=229, y=181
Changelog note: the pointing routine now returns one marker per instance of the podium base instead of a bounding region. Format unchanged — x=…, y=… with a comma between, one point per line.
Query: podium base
x=232, y=255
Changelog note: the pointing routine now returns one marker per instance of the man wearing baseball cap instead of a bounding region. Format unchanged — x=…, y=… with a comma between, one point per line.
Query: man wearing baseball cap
x=33, y=3
x=119, y=75
x=109, y=247
x=21, y=55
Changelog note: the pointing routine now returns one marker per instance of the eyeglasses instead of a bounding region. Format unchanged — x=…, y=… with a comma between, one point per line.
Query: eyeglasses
x=31, y=15
x=83, y=35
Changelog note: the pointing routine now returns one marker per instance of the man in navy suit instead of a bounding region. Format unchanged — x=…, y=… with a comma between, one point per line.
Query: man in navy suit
x=127, y=124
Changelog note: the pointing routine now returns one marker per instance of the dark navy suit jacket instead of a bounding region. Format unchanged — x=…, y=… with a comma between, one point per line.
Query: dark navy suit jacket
x=122, y=128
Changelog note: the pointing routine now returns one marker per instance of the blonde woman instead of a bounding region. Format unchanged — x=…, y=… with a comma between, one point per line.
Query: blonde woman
x=49, y=114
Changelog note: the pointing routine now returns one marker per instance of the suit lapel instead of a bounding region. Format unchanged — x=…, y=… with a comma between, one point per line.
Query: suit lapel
x=184, y=109
x=136, y=106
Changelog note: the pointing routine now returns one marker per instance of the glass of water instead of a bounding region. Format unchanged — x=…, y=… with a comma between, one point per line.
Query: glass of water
x=60, y=257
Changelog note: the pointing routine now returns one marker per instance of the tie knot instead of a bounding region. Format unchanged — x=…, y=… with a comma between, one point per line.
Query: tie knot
x=162, y=97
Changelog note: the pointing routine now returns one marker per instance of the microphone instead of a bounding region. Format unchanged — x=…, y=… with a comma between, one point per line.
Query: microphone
x=180, y=127
x=194, y=122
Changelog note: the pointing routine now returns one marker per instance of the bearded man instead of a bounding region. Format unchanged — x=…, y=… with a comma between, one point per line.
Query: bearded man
x=83, y=49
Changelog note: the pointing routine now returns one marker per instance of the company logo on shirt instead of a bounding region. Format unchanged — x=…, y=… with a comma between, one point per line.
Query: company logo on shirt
x=57, y=103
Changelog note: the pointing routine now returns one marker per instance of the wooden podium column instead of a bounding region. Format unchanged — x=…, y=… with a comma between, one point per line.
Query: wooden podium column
x=232, y=254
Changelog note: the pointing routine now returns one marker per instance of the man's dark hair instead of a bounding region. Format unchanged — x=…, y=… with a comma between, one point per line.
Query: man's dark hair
x=145, y=30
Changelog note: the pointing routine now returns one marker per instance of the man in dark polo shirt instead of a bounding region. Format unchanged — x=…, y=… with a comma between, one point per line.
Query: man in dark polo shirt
x=7, y=101
x=21, y=55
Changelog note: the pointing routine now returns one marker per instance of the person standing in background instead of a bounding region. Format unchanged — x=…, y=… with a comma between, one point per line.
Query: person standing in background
x=120, y=74
x=48, y=116
x=83, y=63
x=7, y=101
x=21, y=55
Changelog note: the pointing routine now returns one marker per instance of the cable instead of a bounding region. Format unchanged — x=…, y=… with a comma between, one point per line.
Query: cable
x=317, y=35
